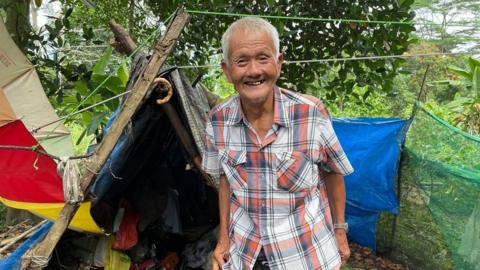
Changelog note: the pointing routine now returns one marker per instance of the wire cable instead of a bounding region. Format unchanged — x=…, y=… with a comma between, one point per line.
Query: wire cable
x=80, y=111
x=355, y=58
x=331, y=20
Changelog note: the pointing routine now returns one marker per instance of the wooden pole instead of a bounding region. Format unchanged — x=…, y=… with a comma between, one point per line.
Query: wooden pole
x=186, y=140
x=122, y=42
x=164, y=46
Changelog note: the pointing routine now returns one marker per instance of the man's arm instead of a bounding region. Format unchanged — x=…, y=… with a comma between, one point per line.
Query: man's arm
x=336, y=197
x=220, y=254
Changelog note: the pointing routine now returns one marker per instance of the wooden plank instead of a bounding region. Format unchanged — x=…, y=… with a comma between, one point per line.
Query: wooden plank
x=164, y=46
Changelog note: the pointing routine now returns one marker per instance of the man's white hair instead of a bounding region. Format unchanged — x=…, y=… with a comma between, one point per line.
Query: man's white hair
x=250, y=24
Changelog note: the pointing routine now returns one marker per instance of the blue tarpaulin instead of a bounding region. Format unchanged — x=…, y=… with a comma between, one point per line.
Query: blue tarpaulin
x=12, y=262
x=373, y=147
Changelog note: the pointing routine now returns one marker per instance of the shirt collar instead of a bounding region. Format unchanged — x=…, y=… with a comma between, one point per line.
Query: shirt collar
x=280, y=115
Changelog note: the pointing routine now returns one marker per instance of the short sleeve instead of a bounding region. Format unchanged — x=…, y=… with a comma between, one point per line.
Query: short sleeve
x=210, y=159
x=336, y=160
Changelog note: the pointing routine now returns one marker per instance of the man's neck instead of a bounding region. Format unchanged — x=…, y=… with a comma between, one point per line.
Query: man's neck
x=260, y=116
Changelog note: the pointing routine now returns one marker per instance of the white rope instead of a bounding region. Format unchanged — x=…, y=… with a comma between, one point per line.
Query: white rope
x=70, y=171
x=285, y=62
x=40, y=261
x=338, y=59
x=34, y=130
x=368, y=58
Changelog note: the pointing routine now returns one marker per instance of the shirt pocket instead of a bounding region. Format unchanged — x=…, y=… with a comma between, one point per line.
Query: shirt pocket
x=234, y=166
x=295, y=171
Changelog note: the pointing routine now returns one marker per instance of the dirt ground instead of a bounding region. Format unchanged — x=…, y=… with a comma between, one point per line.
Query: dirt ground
x=364, y=258
x=8, y=237
x=361, y=258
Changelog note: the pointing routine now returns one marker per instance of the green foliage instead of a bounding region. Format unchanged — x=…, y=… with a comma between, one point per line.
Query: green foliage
x=216, y=82
x=449, y=24
x=466, y=107
x=68, y=75
x=136, y=18
x=17, y=21
x=308, y=40
x=76, y=130
x=91, y=87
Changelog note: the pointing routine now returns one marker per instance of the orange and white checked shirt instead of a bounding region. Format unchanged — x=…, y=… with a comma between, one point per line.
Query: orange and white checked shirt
x=278, y=200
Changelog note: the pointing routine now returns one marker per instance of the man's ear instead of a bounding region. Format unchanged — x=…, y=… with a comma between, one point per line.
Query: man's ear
x=279, y=63
x=226, y=71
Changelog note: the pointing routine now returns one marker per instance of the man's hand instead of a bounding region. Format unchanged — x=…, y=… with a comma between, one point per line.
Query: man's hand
x=220, y=254
x=342, y=243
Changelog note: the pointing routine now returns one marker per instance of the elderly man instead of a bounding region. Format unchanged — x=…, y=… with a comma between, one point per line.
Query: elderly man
x=281, y=167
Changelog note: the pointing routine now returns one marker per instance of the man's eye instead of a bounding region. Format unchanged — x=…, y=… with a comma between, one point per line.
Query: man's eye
x=241, y=62
x=263, y=59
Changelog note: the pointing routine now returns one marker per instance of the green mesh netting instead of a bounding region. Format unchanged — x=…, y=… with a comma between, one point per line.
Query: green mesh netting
x=439, y=222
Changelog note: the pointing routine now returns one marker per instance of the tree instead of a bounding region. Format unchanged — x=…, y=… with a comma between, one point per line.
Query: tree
x=17, y=21
x=451, y=24
x=303, y=39
x=467, y=108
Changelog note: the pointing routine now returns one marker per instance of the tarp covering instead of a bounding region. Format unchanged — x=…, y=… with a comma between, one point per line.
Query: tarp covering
x=22, y=97
x=373, y=147
x=148, y=147
x=29, y=180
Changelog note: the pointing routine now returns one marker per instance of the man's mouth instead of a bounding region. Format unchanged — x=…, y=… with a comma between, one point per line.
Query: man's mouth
x=255, y=83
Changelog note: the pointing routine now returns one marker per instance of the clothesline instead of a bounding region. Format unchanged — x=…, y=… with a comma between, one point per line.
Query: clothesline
x=216, y=66
x=328, y=20
x=355, y=58
x=80, y=111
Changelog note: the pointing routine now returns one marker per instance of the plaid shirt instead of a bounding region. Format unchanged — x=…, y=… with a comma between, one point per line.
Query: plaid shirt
x=278, y=199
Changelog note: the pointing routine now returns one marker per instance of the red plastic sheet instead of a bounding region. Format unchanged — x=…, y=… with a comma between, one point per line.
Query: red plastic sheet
x=26, y=176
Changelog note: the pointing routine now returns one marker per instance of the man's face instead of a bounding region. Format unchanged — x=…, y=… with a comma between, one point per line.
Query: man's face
x=252, y=67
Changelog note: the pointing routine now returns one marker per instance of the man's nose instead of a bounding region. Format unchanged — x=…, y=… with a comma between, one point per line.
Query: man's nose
x=253, y=69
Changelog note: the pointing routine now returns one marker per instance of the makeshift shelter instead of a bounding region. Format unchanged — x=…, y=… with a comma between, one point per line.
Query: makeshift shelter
x=29, y=179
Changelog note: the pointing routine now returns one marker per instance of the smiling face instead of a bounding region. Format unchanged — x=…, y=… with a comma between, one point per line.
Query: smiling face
x=252, y=66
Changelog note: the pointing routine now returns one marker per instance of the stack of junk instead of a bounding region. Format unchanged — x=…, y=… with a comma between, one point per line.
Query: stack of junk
x=150, y=207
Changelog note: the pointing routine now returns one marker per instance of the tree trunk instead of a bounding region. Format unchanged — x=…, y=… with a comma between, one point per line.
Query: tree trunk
x=18, y=22
x=131, y=16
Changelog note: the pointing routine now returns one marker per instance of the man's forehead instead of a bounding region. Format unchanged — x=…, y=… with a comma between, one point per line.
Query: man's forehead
x=245, y=37
x=247, y=31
